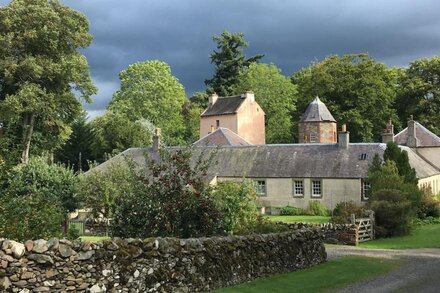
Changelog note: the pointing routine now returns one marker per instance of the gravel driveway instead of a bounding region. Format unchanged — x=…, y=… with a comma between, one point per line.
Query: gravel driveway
x=420, y=271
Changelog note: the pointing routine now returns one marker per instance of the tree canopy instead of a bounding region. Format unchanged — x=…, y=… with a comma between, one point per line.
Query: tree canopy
x=229, y=62
x=43, y=76
x=149, y=91
x=419, y=93
x=115, y=132
x=276, y=95
x=357, y=90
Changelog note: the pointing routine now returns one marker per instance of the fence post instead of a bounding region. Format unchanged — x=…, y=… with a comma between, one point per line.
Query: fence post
x=372, y=223
x=353, y=219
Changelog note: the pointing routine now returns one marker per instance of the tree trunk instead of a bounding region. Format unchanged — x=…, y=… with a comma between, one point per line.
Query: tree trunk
x=28, y=128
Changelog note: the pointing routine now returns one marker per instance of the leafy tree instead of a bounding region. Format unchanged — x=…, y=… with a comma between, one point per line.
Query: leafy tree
x=357, y=90
x=77, y=150
x=191, y=116
x=42, y=73
x=237, y=203
x=275, y=94
x=419, y=93
x=149, y=91
x=115, y=132
x=99, y=190
x=400, y=157
x=229, y=62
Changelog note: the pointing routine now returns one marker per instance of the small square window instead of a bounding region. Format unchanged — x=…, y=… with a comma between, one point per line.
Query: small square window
x=313, y=137
x=316, y=188
x=260, y=187
x=217, y=123
x=298, y=188
x=364, y=190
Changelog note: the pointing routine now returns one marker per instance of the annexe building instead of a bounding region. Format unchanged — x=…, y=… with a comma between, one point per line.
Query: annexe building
x=323, y=168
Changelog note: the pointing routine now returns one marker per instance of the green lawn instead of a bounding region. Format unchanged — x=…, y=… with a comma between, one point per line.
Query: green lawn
x=326, y=277
x=427, y=236
x=94, y=238
x=307, y=219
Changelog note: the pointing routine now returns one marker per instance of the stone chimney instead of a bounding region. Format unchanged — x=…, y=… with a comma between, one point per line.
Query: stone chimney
x=388, y=133
x=412, y=140
x=213, y=98
x=212, y=128
x=343, y=137
x=157, y=139
x=248, y=95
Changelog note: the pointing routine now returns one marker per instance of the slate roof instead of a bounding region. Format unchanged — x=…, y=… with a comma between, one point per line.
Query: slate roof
x=426, y=138
x=224, y=106
x=221, y=137
x=289, y=160
x=317, y=112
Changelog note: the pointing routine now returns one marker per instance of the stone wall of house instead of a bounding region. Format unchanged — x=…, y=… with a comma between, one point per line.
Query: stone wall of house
x=325, y=132
x=154, y=264
x=346, y=234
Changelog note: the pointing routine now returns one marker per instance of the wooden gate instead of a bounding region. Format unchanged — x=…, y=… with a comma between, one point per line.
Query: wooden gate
x=365, y=227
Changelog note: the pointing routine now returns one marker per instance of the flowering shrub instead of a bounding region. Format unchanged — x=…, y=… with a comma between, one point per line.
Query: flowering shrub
x=173, y=200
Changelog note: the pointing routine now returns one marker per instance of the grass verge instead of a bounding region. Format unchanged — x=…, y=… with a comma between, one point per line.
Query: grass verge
x=426, y=236
x=94, y=238
x=306, y=219
x=326, y=277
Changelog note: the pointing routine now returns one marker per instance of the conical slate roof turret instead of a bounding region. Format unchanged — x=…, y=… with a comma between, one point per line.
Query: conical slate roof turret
x=317, y=111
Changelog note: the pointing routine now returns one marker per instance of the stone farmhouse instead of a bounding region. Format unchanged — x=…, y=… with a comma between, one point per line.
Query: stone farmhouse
x=324, y=166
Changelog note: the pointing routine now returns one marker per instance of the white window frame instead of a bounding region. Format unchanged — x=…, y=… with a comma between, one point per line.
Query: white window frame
x=365, y=186
x=260, y=187
x=313, y=187
x=313, y=137
x=295, y=188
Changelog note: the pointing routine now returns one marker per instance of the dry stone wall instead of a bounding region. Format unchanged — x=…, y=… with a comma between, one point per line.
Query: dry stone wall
x=332, y=233
x=154, y=264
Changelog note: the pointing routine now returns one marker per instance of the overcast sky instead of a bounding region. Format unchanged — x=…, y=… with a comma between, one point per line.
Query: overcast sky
x=291, y=34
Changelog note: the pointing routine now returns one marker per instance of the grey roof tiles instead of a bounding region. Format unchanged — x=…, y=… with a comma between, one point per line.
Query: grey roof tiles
x=224, y=106
x=317, y=112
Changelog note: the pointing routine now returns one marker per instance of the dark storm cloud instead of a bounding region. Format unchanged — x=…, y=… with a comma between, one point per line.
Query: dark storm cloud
x=291, y=34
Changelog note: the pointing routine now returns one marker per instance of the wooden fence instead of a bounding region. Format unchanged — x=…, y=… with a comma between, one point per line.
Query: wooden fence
x=365, y=227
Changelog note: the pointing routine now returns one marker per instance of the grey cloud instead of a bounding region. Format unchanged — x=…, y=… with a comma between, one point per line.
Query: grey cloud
x=291, y=34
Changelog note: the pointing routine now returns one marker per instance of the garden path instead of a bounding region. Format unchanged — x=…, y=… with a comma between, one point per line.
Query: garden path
x=419, y=272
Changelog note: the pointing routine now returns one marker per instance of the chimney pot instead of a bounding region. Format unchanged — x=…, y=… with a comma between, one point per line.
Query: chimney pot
x=343, y=137
x=388, y=134
x=213, y=98
x=249, y=95
x=412, y=140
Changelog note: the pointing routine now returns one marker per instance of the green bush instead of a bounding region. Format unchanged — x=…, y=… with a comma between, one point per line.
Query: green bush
x=393, y=212
x=316, y=208
x=262, y=226
x=292, y=211
x=36, y=200
x=30, y=216
x=429, y=205
x=237, y=204
x=427, y=221
x=343, y=211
